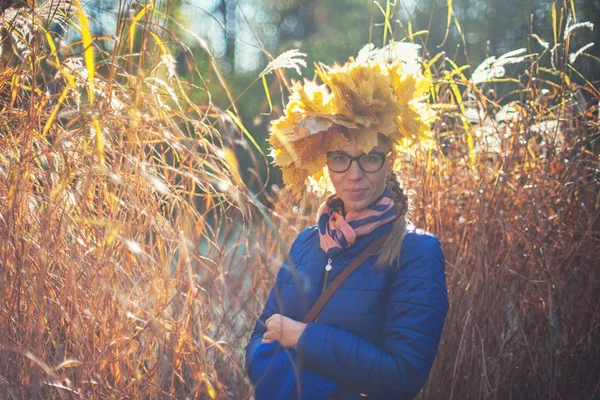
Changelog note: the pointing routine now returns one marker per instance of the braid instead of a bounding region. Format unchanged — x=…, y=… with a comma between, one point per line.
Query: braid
x=400, y=199
x=393, y=245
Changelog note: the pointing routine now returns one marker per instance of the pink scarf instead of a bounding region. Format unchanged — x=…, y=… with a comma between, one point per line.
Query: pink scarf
x=337, y=232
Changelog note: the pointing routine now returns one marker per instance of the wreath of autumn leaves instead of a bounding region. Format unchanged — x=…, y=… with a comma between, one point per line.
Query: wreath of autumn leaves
x=365, y=98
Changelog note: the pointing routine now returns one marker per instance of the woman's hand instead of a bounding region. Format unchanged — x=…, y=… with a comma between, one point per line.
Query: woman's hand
x=283, y=330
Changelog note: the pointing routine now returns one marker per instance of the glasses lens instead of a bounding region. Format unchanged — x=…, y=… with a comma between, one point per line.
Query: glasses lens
x=371, y=162
x=338, y=162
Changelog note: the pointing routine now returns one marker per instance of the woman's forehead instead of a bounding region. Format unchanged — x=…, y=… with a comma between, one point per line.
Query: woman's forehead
x=352, y=149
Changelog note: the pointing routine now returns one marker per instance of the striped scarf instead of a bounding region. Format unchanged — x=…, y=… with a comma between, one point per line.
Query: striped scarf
x=337, y=232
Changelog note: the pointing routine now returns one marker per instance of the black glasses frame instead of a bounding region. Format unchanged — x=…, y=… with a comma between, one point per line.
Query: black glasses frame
x=357, y=159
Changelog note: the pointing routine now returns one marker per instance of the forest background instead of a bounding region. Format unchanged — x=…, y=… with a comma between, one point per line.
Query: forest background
x=141, y=223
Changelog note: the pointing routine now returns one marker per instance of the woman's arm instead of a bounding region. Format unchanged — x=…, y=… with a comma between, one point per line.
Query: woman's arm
x=415, y=314
x=260, y=328
x=273, y=306
x=272, y=368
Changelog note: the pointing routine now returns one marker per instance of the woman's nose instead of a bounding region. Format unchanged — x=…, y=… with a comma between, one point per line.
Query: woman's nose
x=354, y=172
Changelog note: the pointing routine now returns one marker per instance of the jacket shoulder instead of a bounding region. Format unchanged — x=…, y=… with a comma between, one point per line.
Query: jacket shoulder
x=305, y=243
x=418, y=242
x=422, y=256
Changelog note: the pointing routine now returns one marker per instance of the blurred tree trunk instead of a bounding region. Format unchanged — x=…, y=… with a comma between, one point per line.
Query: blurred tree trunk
x=229, y=10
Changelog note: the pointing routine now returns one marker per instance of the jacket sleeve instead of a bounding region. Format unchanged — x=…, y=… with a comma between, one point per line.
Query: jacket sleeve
x=259, y=328
x=272, y=306
x=416, y=308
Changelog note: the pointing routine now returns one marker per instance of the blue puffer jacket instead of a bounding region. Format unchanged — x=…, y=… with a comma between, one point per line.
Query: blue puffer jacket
x=379, y=333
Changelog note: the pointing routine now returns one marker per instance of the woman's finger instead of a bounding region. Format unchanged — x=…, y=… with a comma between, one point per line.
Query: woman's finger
x=271, y=319
x=267, y=337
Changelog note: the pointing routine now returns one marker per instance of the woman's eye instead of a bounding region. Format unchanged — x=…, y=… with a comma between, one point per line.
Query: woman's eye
x=340, y=158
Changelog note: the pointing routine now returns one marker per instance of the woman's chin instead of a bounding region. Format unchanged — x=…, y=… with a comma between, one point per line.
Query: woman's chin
x=355, y=205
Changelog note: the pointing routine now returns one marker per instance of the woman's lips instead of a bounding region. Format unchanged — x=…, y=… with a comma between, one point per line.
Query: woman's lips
x=356, y=192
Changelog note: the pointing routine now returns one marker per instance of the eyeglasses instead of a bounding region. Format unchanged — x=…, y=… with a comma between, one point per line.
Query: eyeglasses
x=340, y=162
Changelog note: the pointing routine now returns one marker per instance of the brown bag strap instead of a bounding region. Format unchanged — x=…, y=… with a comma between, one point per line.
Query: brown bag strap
x=314, y=311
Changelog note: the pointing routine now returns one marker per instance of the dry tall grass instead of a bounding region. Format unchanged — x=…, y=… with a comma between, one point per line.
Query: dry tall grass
x=134, y=260
x=115, y=189
x=518, y=217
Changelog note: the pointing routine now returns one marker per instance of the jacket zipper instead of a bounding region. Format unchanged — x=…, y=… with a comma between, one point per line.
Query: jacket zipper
x=325, y=278
x=327, y=269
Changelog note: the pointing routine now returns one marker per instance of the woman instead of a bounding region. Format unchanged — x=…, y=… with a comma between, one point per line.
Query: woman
x=378, y=334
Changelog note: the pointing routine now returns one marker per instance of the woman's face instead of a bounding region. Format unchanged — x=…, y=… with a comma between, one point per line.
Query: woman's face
x=357, y=188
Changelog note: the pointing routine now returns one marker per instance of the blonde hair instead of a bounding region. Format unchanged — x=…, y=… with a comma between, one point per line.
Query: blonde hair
x=393, y=245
